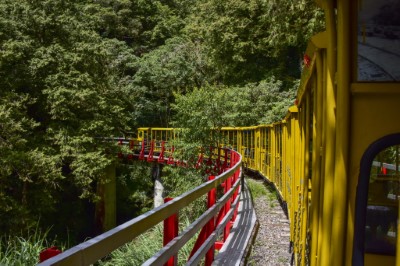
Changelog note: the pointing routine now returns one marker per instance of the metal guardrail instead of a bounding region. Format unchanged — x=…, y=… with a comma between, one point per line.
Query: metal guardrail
x=173, y=247
x=94, y=249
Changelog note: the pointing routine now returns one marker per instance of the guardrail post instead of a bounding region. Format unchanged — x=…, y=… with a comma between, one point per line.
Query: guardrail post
x=212, y=194
x=48, y=253
x=207, y=230
x=228, y=185
x=161, y=156
x=141, y=155
x=150, y=157
x=170, y=232
x=235, y=178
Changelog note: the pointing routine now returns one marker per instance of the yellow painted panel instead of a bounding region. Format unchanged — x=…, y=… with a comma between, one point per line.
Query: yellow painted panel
x=374, y=260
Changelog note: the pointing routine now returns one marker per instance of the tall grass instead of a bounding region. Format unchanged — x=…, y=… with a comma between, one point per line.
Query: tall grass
x=257, y=189
x=145, y=246
x=137, y=251
x=23, y=251
x=176, y=182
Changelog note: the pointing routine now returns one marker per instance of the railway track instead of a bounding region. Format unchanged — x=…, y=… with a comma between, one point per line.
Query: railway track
x=271, y=244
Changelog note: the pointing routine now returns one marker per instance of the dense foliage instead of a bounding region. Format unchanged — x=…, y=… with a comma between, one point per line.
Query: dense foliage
x=74, y=72
x=255, y=49
x=63, y=87
x=248, y=40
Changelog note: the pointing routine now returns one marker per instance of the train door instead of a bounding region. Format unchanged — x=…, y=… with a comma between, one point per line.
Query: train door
x=377, y=207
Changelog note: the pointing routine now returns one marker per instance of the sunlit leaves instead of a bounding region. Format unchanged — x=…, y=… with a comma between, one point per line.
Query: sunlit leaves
x=207, y=109
x=246, y=39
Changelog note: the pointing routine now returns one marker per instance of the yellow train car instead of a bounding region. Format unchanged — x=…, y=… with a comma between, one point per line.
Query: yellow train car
x=335, y=158
x=348, y=104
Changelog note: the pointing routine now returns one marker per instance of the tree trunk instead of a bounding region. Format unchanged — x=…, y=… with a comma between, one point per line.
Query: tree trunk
x=106, y=213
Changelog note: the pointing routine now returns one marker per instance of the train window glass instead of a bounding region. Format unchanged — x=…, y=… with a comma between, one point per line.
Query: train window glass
x=383, y=202
x=378, y=40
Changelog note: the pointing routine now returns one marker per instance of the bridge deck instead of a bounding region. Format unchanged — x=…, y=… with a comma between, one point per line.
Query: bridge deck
x=233, y=252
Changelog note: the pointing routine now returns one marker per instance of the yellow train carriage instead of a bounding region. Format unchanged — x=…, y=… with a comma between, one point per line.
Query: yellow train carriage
x=335, y=158
x=157, y=134
x=374, y=100
x=349, y=139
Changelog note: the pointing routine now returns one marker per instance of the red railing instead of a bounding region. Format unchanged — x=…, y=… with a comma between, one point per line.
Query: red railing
x=216, y=221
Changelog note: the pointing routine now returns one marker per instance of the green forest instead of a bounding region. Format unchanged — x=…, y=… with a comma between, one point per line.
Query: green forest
x=76, y=72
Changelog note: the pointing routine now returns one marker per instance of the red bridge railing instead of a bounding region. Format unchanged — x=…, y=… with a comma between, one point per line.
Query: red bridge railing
x=212, y=224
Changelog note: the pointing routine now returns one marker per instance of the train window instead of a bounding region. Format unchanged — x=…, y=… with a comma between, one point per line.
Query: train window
x=378, y=40
x=377, y=200
x=383, y=201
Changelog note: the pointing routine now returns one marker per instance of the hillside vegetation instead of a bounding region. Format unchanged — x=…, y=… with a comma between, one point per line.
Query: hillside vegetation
x=73, y=72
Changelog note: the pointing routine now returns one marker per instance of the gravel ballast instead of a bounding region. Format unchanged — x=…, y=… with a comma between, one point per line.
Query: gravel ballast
x=271, y=243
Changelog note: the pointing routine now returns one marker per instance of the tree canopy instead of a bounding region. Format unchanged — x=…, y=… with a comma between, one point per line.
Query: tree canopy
x=74, y=73
x=250, y=40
